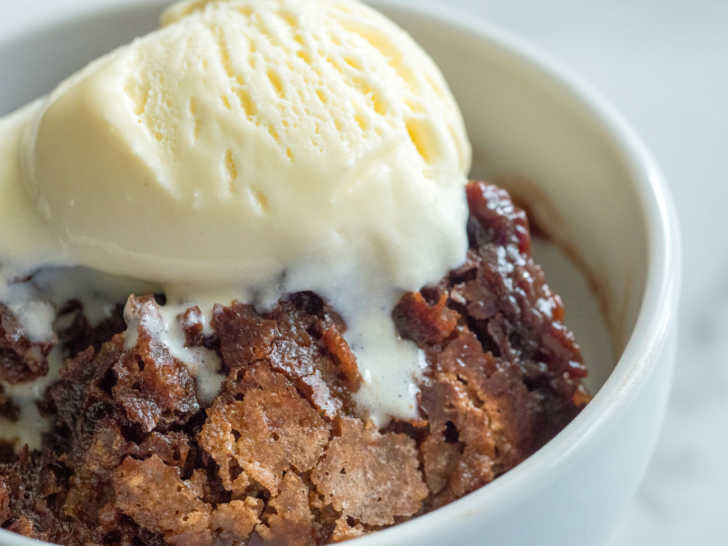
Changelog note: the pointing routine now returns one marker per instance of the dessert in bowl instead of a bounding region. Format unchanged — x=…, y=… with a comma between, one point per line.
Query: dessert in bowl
x=252, y=422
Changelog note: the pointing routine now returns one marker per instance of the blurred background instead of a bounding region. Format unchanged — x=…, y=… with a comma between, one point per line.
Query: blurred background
x=664, y=64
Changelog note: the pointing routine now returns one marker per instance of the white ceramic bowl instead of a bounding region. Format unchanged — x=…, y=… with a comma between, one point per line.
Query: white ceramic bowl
x=590, y=181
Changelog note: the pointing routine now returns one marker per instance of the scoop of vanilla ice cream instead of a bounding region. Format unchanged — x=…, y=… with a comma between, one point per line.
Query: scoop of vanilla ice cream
x=247, y=137
x=247, y=150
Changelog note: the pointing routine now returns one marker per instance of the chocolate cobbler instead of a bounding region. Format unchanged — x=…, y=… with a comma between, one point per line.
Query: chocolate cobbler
x=282, y=455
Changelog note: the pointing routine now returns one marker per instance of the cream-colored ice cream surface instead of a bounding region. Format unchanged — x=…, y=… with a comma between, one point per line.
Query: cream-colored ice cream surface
x=246, y=137
x=252, y=149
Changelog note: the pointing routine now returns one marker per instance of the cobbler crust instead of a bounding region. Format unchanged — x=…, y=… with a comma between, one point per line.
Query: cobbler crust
x=282, y=455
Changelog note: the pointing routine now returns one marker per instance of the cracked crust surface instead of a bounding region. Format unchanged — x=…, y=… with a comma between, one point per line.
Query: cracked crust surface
x=281, y=455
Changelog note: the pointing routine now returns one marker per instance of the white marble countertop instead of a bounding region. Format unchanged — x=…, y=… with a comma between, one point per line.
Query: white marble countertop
x=663, y=63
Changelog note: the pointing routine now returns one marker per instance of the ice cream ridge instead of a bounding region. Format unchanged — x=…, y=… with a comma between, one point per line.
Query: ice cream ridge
x=243, y=151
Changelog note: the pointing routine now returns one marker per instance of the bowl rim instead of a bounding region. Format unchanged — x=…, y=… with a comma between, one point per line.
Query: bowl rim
x=660, y=295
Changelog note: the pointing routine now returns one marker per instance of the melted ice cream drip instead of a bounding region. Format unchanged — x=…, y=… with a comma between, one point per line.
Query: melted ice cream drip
x=166, y=328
